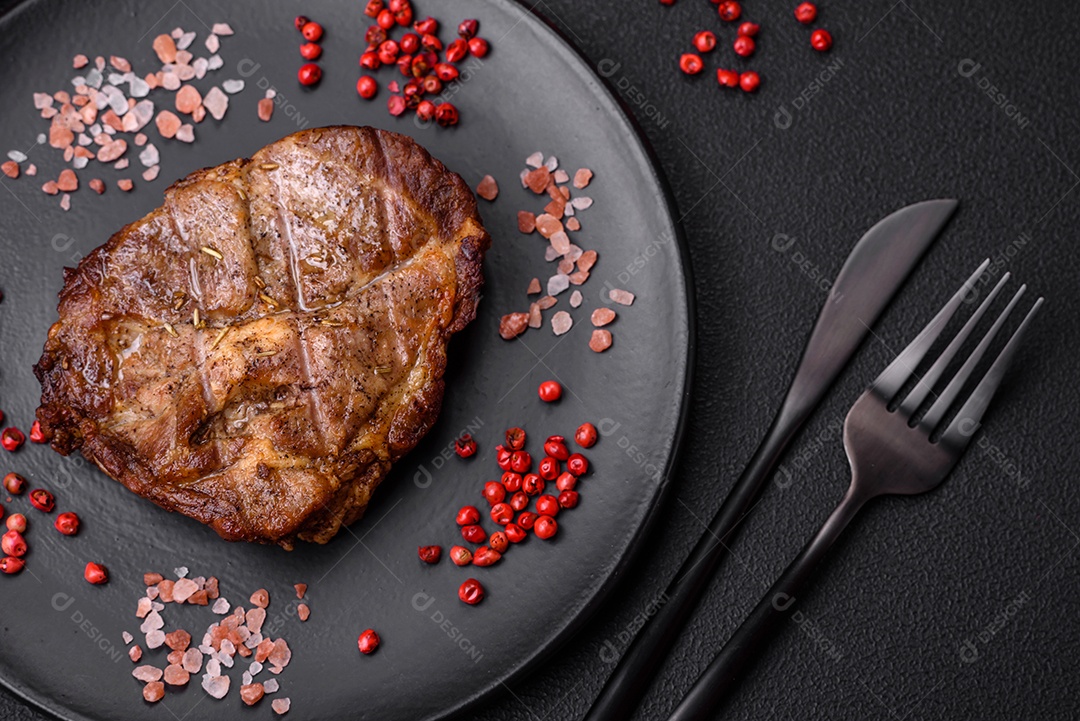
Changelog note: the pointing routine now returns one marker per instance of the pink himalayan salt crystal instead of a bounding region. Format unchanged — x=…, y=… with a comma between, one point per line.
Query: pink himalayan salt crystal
x=176, y=675
x=561, y=322
x=192, y=661
x=147, y=673
x=216, y=686
x=266, y=109
x=154, y=691
x=216, y=102
x=281, y=655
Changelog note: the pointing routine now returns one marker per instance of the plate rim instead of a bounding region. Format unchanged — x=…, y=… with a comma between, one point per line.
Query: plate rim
x=633, y=548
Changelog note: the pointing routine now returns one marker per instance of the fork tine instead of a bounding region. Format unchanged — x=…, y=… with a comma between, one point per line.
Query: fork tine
x=952, y=391
x=888, y=384
x=926, y=384
x=967, y=421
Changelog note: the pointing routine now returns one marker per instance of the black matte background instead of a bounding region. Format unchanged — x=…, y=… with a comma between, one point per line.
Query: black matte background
x=915, y=577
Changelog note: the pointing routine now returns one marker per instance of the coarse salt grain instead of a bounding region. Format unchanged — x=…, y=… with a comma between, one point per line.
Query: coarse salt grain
x=255, y=618
x=143, y=607
x=155, y=639
x=576, y=299
x=266, y=109
x=192, y=661
x=171, y=81
x=622, y=297
x=548, y=225
x=600, y=340
x=488, y=189
x=537, y=180
x=176, y=676
x=147, y=673
x=557, y=284
x=154, y=691
x=178, y=640
x=153, y=622
x=260, y=598
x=602, y=316
x=579, y=277
x=183, y=589
x=281, y=655
x=561, y=242
x=526, y=221
x=216, y=686
x=165, y=48
x=216, y=102
x=149, y=156
x=561, y=322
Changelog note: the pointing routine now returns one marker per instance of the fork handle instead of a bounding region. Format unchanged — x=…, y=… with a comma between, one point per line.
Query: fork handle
x=745, y=645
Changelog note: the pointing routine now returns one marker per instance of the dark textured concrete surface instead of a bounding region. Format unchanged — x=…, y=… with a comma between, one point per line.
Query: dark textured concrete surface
x=958, y=604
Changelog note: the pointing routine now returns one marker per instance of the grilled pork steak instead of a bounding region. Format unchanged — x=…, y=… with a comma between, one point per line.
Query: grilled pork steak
x=258, y=351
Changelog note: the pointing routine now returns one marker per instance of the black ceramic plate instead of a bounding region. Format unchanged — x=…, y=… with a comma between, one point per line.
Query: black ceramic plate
x=61, y=645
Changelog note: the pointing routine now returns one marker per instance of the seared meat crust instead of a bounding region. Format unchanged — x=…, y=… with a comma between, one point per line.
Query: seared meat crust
x=259, y=350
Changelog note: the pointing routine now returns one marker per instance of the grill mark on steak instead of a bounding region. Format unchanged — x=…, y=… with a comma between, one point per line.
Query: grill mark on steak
x=314, y=409
x=283, y=429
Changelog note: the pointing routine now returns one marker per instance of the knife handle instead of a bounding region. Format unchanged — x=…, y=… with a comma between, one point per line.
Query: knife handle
x=635, y=671
x=774, y=609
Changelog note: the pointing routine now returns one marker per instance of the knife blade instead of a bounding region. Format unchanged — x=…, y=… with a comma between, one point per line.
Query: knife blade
x=870, y=277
